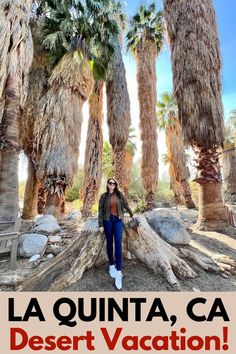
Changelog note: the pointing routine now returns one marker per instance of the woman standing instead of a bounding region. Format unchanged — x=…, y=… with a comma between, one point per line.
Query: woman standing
x=110, y=214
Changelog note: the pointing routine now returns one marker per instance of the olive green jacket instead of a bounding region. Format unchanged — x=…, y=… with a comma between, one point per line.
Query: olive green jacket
x=104, y=207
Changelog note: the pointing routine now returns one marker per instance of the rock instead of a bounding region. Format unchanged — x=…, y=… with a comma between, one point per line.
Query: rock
x=91, y=225
x=54, y=239
x=34, y=258
x=168, y=226
x=54, y=249
x=32, y=244
x=41, y=219
x=166, y=205
x=50, y=256
x=46, y=224
x=189, y=216
x=169, y=212
x=75, y=215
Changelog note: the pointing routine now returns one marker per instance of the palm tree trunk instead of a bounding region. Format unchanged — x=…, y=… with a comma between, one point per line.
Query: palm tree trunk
x=146, y=77
x=212, y=213
x=186, y=192
x=128, y=171
x=9, y=150
x=119, y=166
x=31, y=193
x=94, y=150
x=176, y=188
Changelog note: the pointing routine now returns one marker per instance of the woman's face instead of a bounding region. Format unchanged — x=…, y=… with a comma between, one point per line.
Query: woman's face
x=111, y=185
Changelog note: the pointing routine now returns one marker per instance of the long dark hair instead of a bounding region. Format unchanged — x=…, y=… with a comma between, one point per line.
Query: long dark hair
x=116, y=190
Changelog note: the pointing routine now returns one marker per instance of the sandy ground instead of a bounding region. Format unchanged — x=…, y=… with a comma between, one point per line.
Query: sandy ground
x=137, y=277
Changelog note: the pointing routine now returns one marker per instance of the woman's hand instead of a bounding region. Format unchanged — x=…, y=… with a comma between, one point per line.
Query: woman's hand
x=101, y=229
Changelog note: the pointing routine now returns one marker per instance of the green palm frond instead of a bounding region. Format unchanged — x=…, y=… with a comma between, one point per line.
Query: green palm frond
x=88, y=26
x=148, y=22
x=167, y=110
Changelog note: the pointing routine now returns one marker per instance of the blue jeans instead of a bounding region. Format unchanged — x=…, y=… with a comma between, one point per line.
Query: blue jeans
x=113, y=230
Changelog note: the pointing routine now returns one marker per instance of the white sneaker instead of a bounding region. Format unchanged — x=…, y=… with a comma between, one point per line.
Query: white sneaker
x=112, y=271
x=118, y=280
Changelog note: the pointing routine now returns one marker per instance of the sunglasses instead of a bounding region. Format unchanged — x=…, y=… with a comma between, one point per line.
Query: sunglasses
x=110, y=183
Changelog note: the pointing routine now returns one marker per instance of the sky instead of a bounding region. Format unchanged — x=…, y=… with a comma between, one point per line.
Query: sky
x=226, y=14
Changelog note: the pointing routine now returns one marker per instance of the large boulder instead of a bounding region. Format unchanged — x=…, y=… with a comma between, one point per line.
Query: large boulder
x=74, y=215
x=31, y=244
x=41, y=219
x=169, y=226
x=46, y=224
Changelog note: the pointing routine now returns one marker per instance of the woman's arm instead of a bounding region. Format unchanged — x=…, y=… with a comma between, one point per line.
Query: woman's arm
x=126, y=205
x=100, y=210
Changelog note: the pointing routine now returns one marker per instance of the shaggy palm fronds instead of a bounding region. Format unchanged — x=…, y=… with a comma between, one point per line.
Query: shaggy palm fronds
x=16, y=48
x=118, y=102
x=196, y=63
x=37, y=87
x=58, y=122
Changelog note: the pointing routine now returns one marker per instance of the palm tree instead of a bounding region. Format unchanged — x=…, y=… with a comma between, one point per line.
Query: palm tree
x=167, y=113
x=72, y=32
x=16, y=51
x=130, y=149
x=196, y=63
x=145, y=40
x=94, y=143
x=118, y=102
